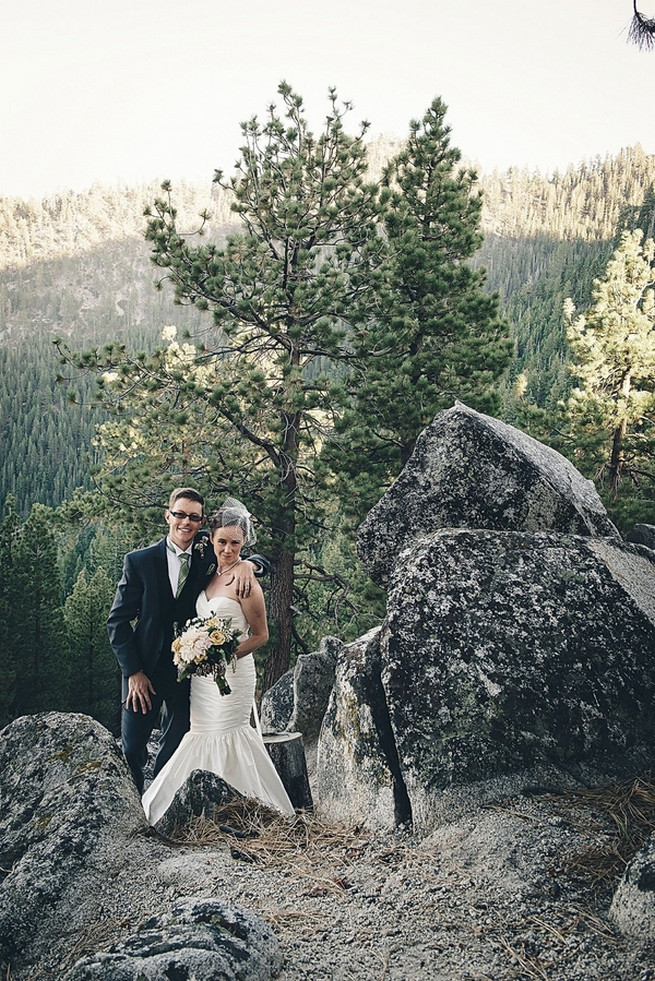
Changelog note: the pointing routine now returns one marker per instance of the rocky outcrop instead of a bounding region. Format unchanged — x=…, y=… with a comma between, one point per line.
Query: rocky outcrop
x=505, y=659
x=633, y=905
x=358, y=773
x=76, y=852
x=517, y=646
x=276, y=706
x=469, y=470
x=66, y=799
x=200, y=794
x=297, y=702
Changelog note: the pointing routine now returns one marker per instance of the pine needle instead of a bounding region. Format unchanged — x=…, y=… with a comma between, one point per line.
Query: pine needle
x=627, y=807
x=261, y=835
x=642, y=30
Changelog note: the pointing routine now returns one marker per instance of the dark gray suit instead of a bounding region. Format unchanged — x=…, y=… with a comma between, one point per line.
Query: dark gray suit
x=140, y=627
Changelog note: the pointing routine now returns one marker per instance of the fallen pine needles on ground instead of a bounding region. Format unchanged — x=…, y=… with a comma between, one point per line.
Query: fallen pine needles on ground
x=627, y=812
x=267, y=838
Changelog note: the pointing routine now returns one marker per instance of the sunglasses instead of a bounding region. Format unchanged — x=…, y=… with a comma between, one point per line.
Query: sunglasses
x=181, y=515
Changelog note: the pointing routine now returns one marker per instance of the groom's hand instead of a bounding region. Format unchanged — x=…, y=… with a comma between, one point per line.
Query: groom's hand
x=139, y=692
x=243, y=578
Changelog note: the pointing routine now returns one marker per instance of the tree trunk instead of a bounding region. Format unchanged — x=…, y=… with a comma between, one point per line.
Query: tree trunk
x=280, y=619
x=280, y=613
x=288, y=755
x=616, y=458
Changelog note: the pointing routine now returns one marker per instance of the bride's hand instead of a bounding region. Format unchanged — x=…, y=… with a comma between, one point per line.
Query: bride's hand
x=139, y=692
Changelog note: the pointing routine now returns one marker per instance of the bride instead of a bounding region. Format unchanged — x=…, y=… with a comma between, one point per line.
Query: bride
x=221, y=738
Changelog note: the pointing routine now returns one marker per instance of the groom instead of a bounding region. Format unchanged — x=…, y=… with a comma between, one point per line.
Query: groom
x=157, y=589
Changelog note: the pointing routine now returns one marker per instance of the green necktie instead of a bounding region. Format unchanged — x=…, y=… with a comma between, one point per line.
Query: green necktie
x=183, y=573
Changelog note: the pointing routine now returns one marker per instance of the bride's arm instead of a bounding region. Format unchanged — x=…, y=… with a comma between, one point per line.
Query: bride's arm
x=254, y=610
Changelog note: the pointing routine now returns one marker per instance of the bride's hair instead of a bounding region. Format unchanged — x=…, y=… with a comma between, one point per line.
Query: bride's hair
x=230, y=513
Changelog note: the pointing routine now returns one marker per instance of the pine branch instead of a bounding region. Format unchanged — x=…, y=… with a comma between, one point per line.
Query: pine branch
x=642, y=30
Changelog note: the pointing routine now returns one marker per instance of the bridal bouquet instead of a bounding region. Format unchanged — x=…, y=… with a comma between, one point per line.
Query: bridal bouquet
x=206, y=647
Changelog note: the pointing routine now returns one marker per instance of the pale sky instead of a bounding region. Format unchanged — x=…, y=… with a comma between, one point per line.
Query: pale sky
x=122, y=91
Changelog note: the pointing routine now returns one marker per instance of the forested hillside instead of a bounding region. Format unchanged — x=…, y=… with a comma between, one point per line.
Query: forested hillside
x=546, y=239
x=77, y=266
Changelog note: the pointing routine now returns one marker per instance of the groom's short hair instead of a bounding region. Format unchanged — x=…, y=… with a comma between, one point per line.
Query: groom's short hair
x=188, y=492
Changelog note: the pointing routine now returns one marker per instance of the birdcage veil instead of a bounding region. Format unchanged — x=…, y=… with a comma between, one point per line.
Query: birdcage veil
x=233, y=512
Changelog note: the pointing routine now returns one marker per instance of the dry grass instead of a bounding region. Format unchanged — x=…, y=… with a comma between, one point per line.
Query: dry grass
x=529, y=966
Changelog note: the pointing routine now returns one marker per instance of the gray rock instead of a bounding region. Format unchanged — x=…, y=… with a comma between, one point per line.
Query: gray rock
x=200, y=794
x=277, y=705
x=357, y=770
x=469, y=470
x=79, y=860
x=287, y=751
x=66, y=796
x=298, y=700
x=313, y=678
x=633, y=905
x=505, y=659
x=204, y=940
x=642, y=535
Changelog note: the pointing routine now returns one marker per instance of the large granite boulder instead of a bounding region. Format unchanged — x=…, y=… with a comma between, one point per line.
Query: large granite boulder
x=313, y=678
x=469, y=470
x=298, y=700
x=206, y=940
x=357, y=772
x=76, y=852
x=505, y=659
x=642, y=535
x=66, y=796
x=276, y=706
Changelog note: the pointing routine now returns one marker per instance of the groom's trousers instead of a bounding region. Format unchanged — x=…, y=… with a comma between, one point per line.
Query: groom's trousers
x=170, y=711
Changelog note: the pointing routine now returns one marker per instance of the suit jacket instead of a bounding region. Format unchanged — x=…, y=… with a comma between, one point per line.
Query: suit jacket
x=140, y=622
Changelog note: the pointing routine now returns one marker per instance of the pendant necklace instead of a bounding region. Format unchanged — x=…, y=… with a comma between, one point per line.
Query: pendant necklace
x=228, y=568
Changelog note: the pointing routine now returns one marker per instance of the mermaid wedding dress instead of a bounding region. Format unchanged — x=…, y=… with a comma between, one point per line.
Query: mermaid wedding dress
x=221, y=738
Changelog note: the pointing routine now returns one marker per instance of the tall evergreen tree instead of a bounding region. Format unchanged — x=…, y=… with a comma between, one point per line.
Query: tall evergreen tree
x=33, y=655
x=433, y=335
x=10, y=626
x=611, y=412
x=249, y=412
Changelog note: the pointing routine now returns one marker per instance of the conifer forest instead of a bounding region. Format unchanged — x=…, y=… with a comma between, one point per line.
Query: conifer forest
x=282, y=334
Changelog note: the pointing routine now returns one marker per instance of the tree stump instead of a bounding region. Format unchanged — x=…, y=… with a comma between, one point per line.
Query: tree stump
x=288, y=755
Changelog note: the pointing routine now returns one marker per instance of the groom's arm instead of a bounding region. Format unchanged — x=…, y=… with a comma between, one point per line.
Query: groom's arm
x=125, y=610
x=262, y=565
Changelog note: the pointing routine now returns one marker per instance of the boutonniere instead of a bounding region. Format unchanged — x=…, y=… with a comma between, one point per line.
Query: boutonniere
x=200, y=546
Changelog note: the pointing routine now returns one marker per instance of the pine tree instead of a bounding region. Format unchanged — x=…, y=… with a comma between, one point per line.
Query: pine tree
x=611, y=412
x=34, y=655
x=249, y=412
x=10, y=663
x=433, y=334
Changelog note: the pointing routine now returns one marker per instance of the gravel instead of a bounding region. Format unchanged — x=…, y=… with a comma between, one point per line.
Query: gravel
x=519, y=890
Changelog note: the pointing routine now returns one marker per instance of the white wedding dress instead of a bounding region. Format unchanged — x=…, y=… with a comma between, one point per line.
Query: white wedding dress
x=221, y=738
